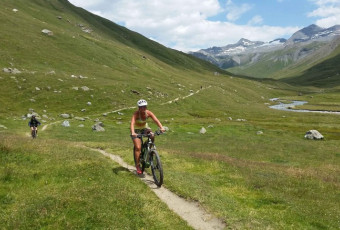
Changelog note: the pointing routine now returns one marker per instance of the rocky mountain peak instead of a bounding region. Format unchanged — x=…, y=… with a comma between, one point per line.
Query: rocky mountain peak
x=313, y=32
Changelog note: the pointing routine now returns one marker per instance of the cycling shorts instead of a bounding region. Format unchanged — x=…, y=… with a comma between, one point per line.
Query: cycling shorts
x=141, y=131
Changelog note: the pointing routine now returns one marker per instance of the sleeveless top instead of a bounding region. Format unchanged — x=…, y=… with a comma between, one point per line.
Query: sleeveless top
x=141, y=124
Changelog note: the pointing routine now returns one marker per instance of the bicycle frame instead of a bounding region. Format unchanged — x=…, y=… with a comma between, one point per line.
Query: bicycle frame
x=150, y=157
x=146, y=147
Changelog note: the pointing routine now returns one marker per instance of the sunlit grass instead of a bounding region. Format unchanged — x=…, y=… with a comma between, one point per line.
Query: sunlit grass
x=51, y=185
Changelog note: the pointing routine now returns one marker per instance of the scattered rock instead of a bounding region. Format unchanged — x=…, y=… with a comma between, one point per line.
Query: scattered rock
x=89, y=103
x=51, y=73
x=313, y=135
x=15, y=10
x=10, y=70
x=98, y=127
x=81, y=125
x=259, y=132
x=135, y=92
x=66, y=124
x=7, y=70
x=80, y=118
x=37, y=88
x=85, y=88
x=65, y=115
x=47, y=32
x=203, y=130
x=3, y=127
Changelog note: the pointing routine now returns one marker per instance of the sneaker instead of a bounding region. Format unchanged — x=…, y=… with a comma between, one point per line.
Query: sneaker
x=139, y=171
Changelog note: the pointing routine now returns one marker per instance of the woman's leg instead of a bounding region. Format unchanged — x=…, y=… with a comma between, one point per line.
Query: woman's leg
x=138, y=146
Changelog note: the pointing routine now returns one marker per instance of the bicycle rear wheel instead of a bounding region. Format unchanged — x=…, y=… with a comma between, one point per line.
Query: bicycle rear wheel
x=141, y=164
x=34, y=133
x=156, y=168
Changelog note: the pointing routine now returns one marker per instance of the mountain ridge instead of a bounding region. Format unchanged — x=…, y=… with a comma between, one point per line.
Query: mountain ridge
x=267, y=59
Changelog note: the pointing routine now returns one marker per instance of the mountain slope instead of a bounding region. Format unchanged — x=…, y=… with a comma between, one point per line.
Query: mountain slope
x=278, y=59
x=112, y=59
x=326, y=73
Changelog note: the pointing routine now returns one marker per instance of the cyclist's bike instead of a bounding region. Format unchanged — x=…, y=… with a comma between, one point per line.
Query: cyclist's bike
x=34, y=133
x=149, y=157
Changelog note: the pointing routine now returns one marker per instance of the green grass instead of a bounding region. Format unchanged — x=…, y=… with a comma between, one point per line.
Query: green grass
x=275, y=180
x=51, y=184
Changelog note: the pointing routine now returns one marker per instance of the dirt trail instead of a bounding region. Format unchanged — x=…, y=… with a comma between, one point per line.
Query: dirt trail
x=133, y=107
x=191, y=212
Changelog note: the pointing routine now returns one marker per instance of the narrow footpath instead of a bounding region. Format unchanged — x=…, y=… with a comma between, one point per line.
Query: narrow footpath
x=189, y=211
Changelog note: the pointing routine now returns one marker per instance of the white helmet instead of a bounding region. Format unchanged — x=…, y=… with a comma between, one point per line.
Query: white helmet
x=142, y=102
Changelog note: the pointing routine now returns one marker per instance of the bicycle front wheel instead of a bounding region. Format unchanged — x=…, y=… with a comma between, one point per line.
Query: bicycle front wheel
x=156, y=168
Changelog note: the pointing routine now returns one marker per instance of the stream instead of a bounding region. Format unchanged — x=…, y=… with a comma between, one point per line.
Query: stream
x=290, y=107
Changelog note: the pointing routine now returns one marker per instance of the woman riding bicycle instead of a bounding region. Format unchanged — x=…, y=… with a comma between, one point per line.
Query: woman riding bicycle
x=140, y=126
x=34, y=123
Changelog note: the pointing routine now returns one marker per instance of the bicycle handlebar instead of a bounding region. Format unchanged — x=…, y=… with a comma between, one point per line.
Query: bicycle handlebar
x=157, y=133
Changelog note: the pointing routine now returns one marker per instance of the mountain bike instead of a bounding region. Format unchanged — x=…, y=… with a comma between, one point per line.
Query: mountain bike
x=34, y=133
x=149, y=157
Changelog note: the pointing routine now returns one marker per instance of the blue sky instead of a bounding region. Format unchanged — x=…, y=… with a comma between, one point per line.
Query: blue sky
x=271, y=12
x=191, y=25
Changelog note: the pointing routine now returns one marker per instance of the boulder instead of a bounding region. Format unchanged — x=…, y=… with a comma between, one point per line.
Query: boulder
x=313, y=135
x=98, y=127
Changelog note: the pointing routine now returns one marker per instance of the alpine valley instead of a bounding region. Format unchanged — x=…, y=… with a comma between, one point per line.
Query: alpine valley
x=278, y=59
x=226, y=151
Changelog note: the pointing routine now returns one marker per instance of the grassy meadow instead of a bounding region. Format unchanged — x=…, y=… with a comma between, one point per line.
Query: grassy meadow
x=273, y=180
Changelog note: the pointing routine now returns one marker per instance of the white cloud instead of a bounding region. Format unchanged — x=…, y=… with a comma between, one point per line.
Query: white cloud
x=184, y=25
x=328, y=12
x=234, y=11
x=256, y=20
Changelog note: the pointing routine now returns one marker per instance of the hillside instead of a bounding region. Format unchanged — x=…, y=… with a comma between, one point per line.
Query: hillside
x=110, y=57
x=323, y=73
x=252, y=169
